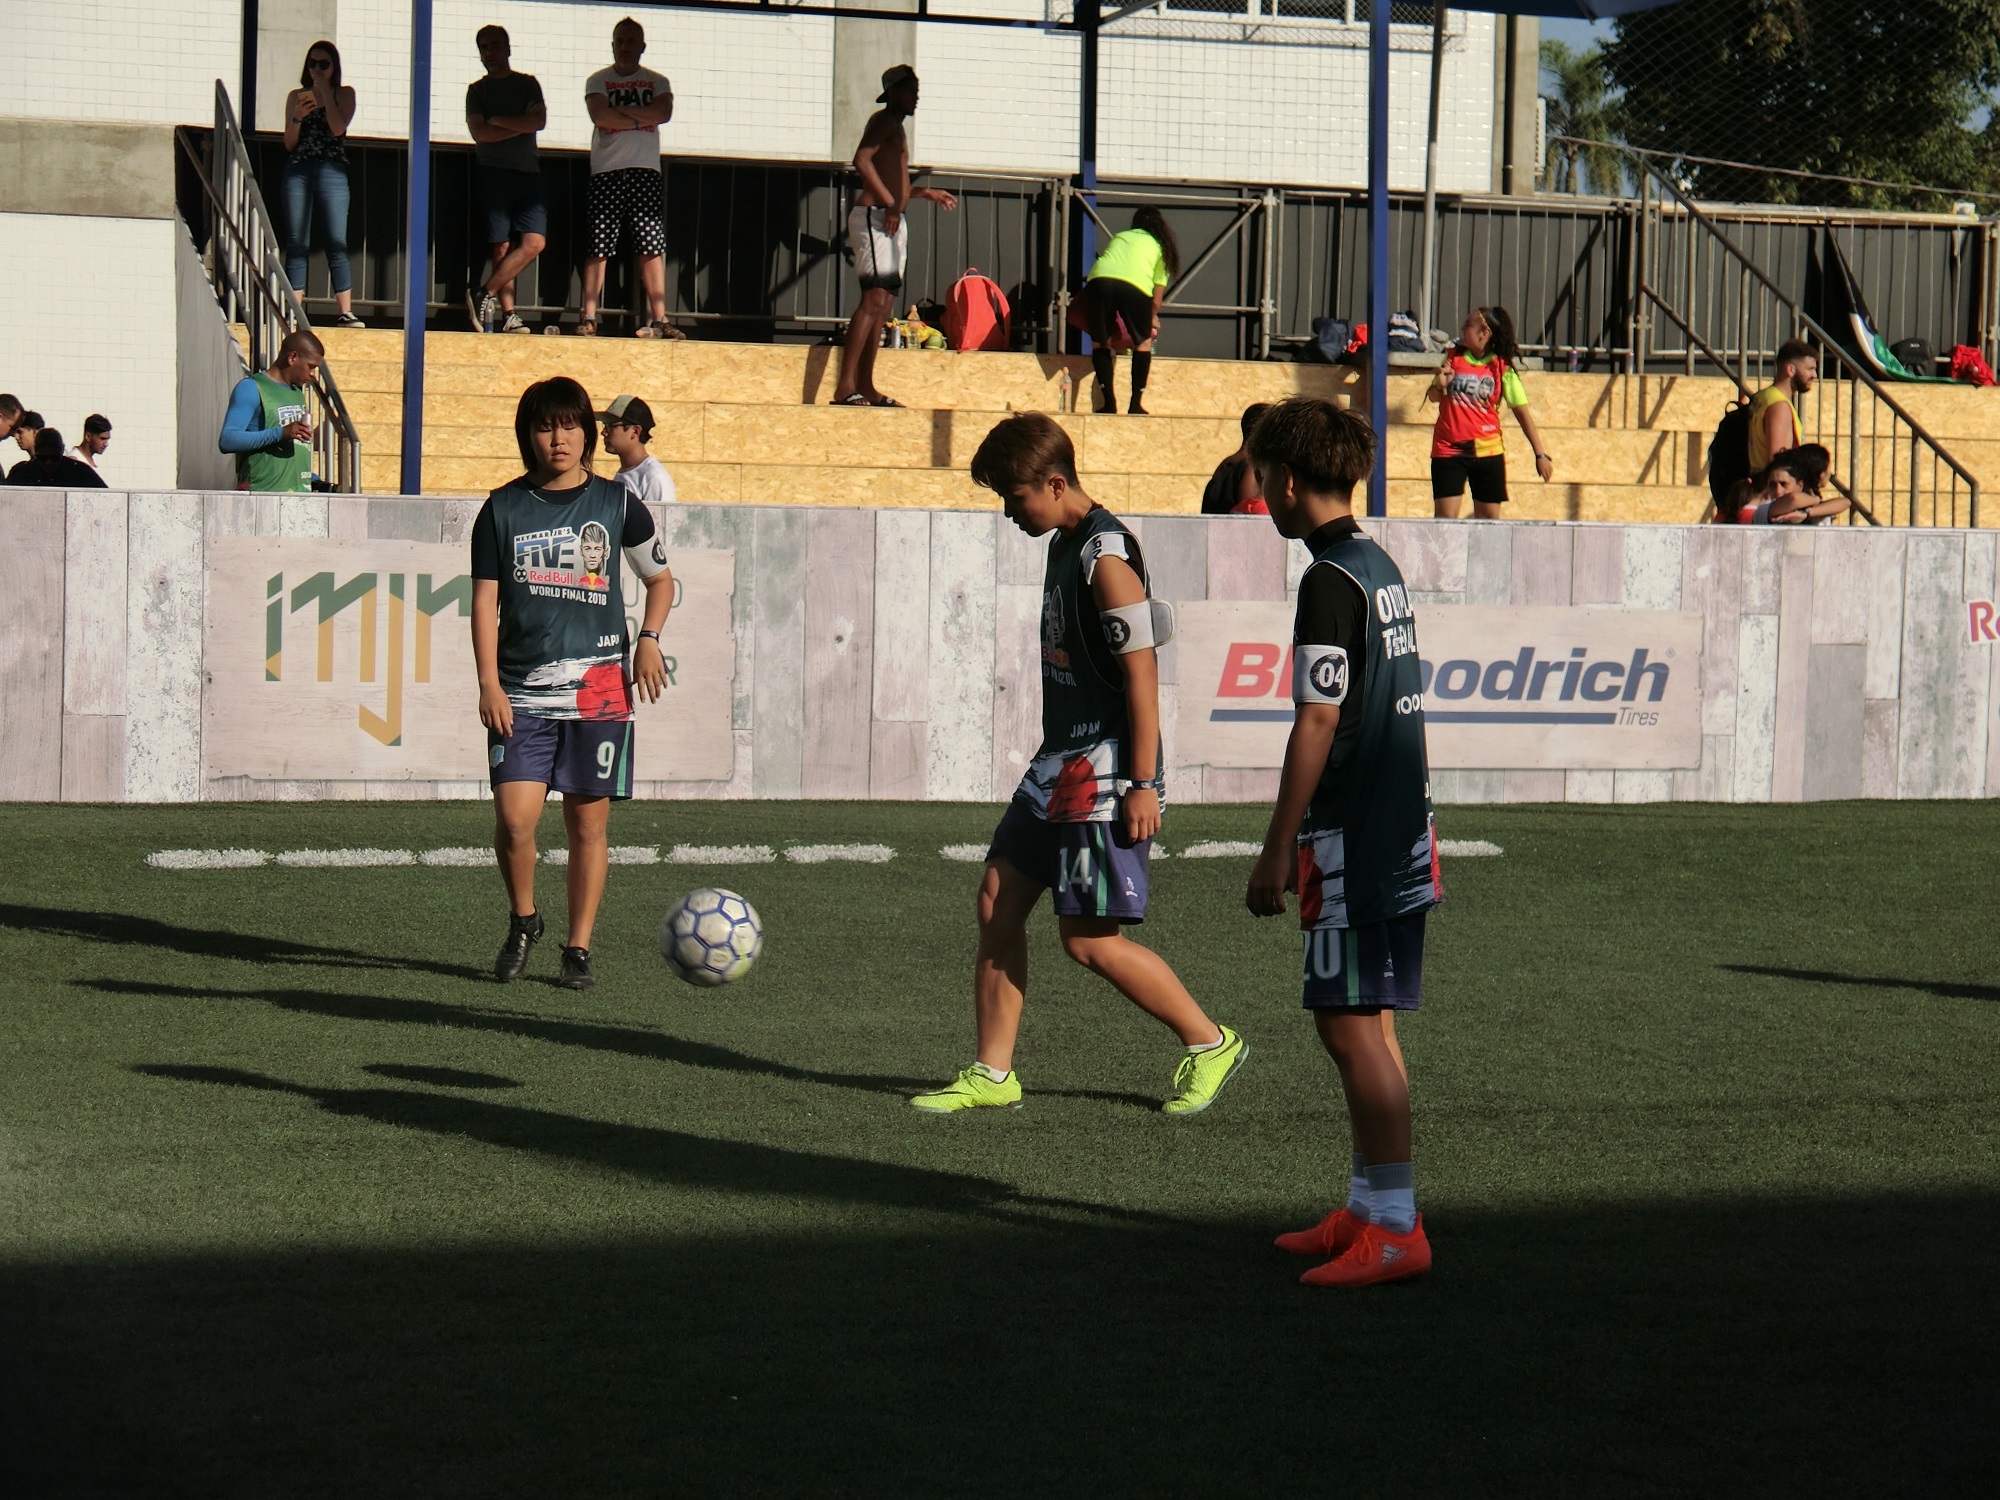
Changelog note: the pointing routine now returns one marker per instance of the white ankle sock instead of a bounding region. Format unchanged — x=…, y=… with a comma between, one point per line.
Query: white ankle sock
x=1392, y=1196
x=1208, y=1046
x=1357, y=1190
x=998, y=1075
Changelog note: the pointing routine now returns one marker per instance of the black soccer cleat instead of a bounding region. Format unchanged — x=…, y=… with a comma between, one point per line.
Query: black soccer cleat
x=575, y=973
x=522, y=935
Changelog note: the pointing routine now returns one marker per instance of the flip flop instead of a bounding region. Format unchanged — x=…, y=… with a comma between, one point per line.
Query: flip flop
x=886, y=401
x=586, y=328
x=857, y=399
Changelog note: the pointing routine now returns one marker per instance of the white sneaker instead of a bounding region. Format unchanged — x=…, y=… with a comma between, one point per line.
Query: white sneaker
x=515, y=325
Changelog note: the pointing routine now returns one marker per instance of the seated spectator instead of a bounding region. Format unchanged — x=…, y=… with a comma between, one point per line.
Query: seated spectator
x=96, y=438
x=1787, y=493
x=10, y=413
x=51, y=468
x=628, y=427
x=1234, y=482
x=267, y=426
x=25, y=427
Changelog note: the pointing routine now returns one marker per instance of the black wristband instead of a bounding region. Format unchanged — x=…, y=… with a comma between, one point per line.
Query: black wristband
x=650, y=635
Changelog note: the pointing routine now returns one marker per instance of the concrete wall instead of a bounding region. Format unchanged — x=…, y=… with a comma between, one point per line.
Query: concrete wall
x=89, y=326
x=210, y=364
x=891, y=654
x=788, y=87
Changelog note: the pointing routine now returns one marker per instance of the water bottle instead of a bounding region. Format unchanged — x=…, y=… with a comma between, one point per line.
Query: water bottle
x=1575, y=360
x=1066, y=391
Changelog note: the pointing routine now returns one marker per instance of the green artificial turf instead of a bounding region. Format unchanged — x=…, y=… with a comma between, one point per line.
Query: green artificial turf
x=295, y=1202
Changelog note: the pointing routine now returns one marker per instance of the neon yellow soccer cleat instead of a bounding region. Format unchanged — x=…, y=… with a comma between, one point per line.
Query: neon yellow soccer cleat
x=1201, y=1075
x=972, y=1089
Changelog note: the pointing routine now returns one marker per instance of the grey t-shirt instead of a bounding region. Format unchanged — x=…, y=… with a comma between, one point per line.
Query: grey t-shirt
x=510, y=94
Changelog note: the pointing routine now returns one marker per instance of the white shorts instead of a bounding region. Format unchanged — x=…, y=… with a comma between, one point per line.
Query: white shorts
x=879, y=256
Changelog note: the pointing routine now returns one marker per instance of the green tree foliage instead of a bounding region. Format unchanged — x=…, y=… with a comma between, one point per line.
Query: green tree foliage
x=1580, y=105
x=1850, y=88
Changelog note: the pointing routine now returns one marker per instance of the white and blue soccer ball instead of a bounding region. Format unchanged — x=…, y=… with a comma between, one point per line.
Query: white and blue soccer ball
x=711, y=937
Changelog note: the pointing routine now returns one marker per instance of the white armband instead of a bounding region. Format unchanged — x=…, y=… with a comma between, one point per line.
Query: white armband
x=649, y=558
x=1138, y=627
x=1319, y=674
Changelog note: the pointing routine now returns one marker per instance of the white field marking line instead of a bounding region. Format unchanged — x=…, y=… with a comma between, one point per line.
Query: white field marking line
x=820, y=854
x=964, y=854
x=207, y=859
x=343, y=859
x=461, y=857
x=617, y=854
x=1468, y=848
x=721, y=854
x=1222, y=849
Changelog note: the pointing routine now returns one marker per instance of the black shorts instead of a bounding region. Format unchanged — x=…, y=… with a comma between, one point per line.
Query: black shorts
x=1488, y=477
x=1118, y=311
x=627, y=198
x=513, y=202
x=1379, y=967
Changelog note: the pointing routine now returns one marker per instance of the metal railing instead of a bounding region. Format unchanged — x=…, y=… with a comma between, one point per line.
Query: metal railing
x=1732, y=316
x=247, y=272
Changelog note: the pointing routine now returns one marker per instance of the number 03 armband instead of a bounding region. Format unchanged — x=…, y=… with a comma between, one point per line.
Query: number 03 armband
x=1138, y=627
x=1319, y=674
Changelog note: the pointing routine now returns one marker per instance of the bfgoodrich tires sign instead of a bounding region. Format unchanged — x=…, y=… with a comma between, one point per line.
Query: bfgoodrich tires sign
x=1504, y=687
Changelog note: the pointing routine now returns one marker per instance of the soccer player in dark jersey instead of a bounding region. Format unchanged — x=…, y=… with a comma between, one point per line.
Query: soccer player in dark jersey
x=1351, y=832
x=550, y=641
x=1082, y=822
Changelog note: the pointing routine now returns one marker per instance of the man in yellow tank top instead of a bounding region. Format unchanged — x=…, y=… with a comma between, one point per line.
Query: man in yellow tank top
x=1774, y=419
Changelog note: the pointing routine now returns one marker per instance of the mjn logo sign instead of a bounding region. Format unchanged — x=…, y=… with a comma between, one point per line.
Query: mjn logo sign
x=375, y=595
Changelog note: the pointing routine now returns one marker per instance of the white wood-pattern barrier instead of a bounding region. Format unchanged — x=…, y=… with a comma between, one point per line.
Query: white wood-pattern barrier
x=894, y=654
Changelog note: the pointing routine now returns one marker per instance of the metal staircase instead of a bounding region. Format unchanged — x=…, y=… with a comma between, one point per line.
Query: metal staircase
x=1733, y=316
x=247, y=271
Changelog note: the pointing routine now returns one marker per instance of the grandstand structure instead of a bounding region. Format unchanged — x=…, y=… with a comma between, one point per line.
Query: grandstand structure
x=143, y=189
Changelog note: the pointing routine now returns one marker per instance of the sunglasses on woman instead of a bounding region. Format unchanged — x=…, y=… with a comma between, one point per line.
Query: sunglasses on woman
x=319, y=62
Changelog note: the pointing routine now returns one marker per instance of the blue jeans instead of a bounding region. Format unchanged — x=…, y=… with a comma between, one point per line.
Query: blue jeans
x=316, y=187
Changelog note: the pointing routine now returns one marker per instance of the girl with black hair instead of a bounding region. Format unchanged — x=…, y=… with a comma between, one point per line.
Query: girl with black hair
x=558, y=669
x=317, y=114
x=1121, y=303
x=1477, y=378
x=1787, y=491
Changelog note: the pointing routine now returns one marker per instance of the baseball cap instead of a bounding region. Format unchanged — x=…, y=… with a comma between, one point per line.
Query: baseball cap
x=894, y=77
x=628, y=409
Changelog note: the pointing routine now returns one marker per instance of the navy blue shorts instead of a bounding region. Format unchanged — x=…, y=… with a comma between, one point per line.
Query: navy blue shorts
x=1093, y=868
x=579, y=757
x=513, y=203
x=1380, y=967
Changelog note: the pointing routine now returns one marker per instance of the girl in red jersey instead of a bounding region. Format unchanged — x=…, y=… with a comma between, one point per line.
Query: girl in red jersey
x=1477, y=377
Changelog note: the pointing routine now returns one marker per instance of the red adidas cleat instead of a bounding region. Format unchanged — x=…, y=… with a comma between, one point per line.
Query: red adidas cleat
x=1375, y=1255
x=1327, y=1239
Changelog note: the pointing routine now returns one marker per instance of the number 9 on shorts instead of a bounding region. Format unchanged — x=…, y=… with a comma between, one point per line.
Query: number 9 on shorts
x=579, y=757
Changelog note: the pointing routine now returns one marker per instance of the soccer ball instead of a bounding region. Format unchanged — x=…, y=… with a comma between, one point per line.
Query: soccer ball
x=711, y=937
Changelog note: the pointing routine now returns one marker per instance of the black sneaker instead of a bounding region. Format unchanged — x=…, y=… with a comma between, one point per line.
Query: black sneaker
x=522, y=935
x=575, y=973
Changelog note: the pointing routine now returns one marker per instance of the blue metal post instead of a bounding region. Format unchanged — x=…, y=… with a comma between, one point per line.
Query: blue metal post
x=1087, y=17
x=1378, y=251
x=416, y=248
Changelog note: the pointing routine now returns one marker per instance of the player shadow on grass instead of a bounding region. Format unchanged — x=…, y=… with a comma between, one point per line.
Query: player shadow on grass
x=126, y=930
x=671, y=1157
x=599, y=1036
x=1943, y=989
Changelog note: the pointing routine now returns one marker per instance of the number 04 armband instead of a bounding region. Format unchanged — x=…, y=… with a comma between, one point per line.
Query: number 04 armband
x=1138, y=627
x=1319, y=674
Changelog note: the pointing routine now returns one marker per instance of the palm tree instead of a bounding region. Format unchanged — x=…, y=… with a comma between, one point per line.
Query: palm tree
x=1580, y=105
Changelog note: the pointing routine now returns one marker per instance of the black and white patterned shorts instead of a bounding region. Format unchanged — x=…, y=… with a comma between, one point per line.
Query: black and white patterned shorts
x=629, y=196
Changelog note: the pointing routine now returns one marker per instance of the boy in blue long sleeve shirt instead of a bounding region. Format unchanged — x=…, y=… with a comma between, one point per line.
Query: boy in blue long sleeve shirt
x=267, y=425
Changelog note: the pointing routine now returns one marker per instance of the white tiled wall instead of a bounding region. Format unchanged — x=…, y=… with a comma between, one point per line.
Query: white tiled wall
x=748, y=86
x=760, y=86
x=122, y=60
x=97, y=335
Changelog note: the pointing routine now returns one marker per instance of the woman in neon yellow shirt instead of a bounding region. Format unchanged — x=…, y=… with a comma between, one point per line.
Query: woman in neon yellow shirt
x=1121, y=300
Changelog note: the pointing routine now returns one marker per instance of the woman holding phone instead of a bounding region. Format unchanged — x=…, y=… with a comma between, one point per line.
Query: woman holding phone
x=317, y=114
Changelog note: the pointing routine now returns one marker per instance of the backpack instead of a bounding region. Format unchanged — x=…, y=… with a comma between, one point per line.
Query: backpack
x=1915, y=356
x=976, y=315
x=1729, y=456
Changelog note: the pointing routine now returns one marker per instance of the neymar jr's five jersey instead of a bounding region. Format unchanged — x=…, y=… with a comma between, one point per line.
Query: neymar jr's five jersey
x=1085, y=725
x=1366, y=846
x=1468, y=424
x=558, y=556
